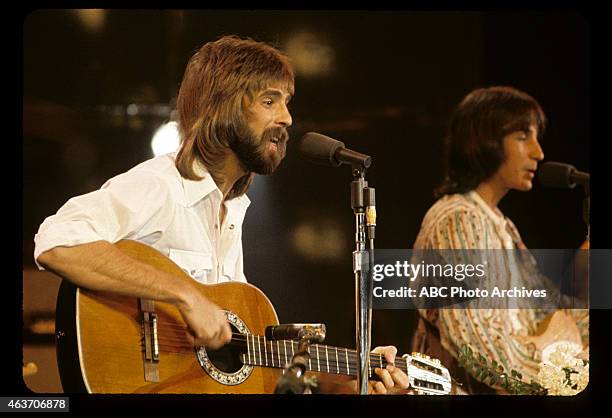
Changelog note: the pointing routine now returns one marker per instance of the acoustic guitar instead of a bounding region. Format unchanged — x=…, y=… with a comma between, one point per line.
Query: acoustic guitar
x=108, y=343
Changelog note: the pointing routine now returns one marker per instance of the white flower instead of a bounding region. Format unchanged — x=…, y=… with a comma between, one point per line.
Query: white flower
x=561, y=372
x=561, y=353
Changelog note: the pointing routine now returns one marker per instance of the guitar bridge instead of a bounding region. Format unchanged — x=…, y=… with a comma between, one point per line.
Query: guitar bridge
x=150, y=336
x=150, y=341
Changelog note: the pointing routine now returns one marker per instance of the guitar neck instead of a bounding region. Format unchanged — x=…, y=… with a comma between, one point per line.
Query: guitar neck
x=258, y=351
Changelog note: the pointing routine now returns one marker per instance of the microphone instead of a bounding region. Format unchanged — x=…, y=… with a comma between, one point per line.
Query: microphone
x=554, y=174
x=321, y=149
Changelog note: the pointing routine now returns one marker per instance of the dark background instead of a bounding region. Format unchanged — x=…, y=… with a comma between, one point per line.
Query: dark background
x=389, y=82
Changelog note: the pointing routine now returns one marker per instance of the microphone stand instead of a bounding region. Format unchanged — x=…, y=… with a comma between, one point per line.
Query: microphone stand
x=293, y=380
x=363, y=205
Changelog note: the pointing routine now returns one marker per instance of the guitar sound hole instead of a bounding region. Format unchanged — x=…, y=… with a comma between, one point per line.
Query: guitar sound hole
x=227, y=358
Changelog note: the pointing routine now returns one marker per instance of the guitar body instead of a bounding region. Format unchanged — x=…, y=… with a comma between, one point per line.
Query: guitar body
x=108, y=343
x=101, y=337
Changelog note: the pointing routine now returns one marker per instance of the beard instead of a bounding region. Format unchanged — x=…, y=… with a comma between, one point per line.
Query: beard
x=259, y=155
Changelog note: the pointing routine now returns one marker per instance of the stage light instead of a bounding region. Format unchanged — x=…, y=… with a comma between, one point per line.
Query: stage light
x=311, y=54
x=92, y=19
x=166, y=139
x=320, y=242
x=132, y=109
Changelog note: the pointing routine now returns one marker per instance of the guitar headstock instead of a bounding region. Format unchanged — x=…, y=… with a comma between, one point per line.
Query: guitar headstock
x=427, y=375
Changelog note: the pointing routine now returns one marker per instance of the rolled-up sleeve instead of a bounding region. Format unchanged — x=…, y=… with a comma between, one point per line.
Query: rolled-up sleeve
x=132, y=205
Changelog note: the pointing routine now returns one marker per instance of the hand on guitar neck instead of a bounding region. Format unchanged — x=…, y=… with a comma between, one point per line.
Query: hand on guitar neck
x=392, y=378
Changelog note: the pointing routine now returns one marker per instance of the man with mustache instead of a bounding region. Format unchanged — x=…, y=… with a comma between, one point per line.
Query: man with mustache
x=233, y=119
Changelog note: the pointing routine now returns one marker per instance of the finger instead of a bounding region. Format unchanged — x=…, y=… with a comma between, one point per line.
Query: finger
x=227, y=333
x=216, y=339
x=381, y=349
x=190, y=338
x=399, y=377
x=389, y=352
x=215, y=342
x=386, y=378
x=379, y=388
x=224, y=334
x=197, y=338
x=220, y=318
x=220, y=330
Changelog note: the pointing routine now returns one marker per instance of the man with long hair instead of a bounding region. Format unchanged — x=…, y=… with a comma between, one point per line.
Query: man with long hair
x=492, y=146
x=232, y=119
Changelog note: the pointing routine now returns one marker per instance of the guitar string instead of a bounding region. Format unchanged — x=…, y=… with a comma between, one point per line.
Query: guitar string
x=237, y=340
x=175, y=325
x=281, y=359
x=235, y=336
x=241, y=339
x=238, y=337
x=351, y=354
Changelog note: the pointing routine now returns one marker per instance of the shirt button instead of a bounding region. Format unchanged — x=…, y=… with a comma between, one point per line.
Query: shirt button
x=231, y=226
x=216, y=226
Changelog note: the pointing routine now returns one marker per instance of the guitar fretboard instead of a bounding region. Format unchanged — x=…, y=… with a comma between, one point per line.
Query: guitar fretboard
x=323, y=358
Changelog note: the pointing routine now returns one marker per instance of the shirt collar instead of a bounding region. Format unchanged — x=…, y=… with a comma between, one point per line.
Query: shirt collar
x=196, y=190
x=495, y=215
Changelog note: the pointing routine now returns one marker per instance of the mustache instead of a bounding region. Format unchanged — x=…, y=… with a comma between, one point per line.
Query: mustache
x=277, y=132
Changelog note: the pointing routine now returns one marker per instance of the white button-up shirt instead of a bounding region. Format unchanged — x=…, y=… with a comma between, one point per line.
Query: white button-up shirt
x=153, y=204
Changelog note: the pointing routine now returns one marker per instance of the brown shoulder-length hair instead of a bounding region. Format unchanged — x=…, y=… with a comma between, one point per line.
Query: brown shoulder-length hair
x=474, y=148
x=221, y=78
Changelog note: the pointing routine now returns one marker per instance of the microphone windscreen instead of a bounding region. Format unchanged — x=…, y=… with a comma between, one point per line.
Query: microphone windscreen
x=553, y=174
x=319, y=149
